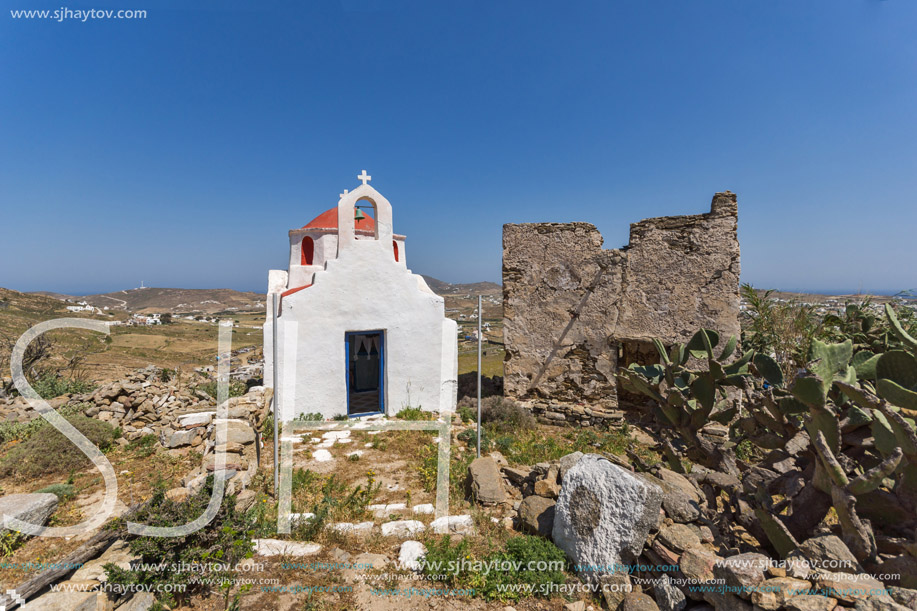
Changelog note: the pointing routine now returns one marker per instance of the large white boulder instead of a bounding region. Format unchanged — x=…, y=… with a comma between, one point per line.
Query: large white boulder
x=603, y=515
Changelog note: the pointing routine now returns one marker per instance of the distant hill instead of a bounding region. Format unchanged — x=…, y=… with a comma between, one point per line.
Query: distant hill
x=444, y=288
x=176, y=301
x=210, y=301
x=18, y=311
x=52, y=295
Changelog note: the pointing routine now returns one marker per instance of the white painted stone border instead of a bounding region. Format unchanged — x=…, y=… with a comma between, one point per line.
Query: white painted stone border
x=289, y=428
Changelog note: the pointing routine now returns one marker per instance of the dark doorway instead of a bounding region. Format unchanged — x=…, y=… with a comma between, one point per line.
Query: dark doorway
x=365, y=352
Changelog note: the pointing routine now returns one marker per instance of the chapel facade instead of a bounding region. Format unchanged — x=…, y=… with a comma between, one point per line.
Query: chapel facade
x=358, y=334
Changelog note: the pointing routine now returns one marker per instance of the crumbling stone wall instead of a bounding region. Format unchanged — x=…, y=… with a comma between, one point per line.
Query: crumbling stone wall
x=574, y=312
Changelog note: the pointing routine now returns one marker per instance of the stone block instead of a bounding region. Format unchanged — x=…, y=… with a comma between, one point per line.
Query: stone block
x=485, y=482
x=34, y=508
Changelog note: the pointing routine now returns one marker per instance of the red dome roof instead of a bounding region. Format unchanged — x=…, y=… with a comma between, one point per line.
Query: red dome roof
x=329, y=220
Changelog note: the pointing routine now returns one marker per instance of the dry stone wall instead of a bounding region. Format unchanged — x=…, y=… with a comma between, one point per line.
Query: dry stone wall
x=575, y=312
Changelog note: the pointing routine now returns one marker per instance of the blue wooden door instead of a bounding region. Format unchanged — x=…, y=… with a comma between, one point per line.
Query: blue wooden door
x=365, y=357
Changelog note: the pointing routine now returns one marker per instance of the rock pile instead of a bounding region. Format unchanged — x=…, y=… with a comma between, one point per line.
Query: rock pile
x=178, y=416
x=144, y=404
x=653, y=541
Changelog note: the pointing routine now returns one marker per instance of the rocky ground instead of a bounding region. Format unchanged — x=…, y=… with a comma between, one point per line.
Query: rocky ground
x=638, y=536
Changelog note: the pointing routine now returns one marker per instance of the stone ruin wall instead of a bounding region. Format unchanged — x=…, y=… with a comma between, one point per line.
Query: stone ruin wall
x=574, y=312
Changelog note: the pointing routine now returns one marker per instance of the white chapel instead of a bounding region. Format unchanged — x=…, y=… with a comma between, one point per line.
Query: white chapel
x=358, y=333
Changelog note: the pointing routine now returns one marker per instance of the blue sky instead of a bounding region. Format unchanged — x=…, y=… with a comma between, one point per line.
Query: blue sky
x=179, y=149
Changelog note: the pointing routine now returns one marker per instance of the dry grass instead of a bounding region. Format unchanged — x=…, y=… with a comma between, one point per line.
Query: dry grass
x=491, y=363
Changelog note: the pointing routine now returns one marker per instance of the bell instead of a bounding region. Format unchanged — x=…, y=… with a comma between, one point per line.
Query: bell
x=358, y=215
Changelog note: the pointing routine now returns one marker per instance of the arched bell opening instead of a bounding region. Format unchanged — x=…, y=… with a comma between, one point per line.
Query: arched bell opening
x=364, y=218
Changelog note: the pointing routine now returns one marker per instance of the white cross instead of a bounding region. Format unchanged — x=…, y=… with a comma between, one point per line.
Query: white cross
x=344, y=193
x=364, y=177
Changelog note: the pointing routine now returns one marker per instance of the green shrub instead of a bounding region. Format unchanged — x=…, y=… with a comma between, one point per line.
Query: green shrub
x=528, y=551
x=63, y=491
x=470, y=437
x=505, y=415
x=535, y=561
x=414, y=413
x=467, y=414
x=310, y=417
x=51, y=385
x=10, y=541
x=237, y=388
x=20, y=431
x=336, y=501
x=782, y=328
x=214, y=550
x=47, y=451
x=426, y=461
x=304, y=479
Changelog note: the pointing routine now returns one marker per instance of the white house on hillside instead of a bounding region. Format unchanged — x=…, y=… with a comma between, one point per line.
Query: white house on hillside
x=358, y=333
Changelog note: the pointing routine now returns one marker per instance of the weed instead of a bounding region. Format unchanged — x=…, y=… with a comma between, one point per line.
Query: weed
x=537, y=445
x=330, y=499
x=467, y=414
x=10, y=541
x=63, y=491
x=267, y=428
x=745, y=450
x=470, y=437
x=427, y=465
x=20, y=431
x=237, y=388
x=304, y=479
x=214, y=550
x=414, y=413
x=523, y=560
x=53, y=385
